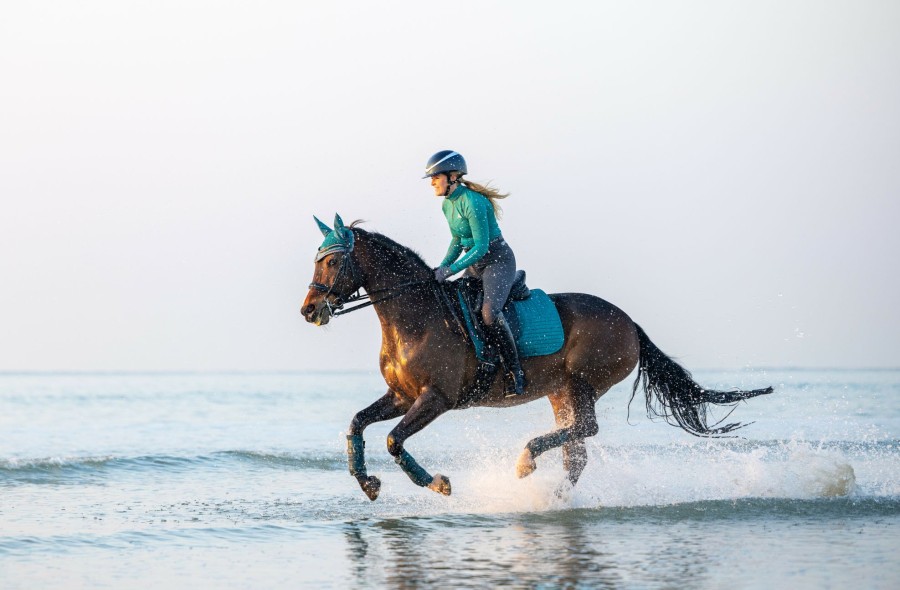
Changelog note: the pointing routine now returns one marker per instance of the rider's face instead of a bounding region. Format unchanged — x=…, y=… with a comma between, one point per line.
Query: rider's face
x=439, y=183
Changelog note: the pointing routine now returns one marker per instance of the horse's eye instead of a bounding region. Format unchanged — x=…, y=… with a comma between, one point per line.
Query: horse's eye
x=332, y=262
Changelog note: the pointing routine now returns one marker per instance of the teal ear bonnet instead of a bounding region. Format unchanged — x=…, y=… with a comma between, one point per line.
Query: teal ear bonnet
x=339, y=239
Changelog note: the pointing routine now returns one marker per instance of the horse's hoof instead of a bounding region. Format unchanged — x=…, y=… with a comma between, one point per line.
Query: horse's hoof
x=525, y=466
x=563, y=491
x=371, y=486
x=440, y=484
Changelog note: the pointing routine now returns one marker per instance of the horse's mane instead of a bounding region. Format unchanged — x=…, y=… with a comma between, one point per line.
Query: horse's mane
x=408, y=254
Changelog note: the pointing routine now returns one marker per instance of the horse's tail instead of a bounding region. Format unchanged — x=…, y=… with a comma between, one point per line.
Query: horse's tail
x=673, y=394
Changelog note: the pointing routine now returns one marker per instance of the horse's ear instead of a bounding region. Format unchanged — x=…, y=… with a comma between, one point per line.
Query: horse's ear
x=338, y=223
x=322, y=227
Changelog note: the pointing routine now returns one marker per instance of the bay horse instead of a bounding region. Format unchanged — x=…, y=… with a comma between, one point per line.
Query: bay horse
x=427, y=364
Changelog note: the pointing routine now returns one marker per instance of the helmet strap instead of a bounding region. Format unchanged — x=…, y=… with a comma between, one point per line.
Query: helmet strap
x=450, y=185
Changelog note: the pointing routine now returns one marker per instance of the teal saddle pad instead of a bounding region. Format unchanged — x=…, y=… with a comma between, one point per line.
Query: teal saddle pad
x=534, y=322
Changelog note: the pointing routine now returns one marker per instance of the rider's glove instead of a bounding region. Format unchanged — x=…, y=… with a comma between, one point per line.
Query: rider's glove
x=441, y=273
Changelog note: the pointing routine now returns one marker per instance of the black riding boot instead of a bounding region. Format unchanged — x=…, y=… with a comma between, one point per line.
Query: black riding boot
x=501, y=337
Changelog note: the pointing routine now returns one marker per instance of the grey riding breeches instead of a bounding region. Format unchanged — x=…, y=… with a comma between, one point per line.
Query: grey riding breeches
x=497, y=271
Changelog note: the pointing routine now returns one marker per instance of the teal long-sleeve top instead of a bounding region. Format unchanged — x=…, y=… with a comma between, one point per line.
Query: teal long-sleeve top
x=473, y=225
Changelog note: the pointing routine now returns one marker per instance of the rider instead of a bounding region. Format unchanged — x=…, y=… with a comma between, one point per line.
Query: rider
x=471, y=211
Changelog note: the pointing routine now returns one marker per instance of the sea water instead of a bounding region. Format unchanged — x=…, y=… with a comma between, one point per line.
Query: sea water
x=240, y=480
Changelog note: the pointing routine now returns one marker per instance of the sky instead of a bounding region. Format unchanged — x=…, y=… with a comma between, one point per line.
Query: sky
x=724, y=172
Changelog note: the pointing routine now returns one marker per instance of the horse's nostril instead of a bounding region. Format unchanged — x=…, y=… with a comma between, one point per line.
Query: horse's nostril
x=308, y=309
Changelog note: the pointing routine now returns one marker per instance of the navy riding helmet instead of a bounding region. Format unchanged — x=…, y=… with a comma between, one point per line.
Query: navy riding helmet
x=445, y=161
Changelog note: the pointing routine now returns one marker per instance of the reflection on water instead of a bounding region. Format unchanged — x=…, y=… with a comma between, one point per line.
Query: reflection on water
x=696, y=545
x=550, y=550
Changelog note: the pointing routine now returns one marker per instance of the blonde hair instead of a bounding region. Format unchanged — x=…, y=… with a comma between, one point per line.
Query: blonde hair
x=492, y=194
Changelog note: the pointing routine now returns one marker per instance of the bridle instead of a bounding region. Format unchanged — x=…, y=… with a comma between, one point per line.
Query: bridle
x=340, y=300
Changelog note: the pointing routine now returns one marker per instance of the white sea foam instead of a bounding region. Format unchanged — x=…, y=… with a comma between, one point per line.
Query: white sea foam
x=664, y=475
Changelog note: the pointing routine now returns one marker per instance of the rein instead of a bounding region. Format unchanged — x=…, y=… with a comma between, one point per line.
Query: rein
x=341, y=300
x=402, y=288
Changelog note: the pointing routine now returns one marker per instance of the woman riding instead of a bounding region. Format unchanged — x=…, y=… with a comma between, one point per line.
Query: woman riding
x=478, y=247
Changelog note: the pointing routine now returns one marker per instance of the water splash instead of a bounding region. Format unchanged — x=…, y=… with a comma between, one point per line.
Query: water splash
x=654, y=475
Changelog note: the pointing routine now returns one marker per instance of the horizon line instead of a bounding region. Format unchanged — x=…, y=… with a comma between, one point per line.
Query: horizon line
x=98, y=372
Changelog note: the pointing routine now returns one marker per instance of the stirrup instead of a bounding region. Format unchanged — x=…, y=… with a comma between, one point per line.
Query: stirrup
x=514, y=382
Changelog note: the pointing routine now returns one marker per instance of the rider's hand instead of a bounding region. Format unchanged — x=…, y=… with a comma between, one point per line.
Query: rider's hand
x=441, y=273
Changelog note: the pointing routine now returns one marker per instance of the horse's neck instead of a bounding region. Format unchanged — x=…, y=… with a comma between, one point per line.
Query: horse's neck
x=405, y=309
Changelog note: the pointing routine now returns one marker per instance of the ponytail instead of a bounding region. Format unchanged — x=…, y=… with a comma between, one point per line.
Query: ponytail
x=491, y=193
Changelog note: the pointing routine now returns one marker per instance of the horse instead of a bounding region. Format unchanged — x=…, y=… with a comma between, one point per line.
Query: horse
x=427, y=363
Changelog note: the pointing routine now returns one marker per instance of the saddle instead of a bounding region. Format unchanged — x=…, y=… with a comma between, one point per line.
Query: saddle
x=470, y=295
x=532, y=317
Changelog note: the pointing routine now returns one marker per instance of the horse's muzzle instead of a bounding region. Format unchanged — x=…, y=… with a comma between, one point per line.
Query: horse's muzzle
x=316, y=313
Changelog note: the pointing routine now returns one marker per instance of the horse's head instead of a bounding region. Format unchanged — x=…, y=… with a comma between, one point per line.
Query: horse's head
x=335, y=277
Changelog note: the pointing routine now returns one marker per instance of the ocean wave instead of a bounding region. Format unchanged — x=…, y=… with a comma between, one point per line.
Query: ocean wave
x=750, y=509
x=301, y=522
x=82, y=470
x=625, y=475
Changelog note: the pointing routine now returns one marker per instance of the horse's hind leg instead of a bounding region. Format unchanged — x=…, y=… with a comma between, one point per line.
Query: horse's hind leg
x=574, y=411
x=574, y=459
x=574, y=452
x=387, y=407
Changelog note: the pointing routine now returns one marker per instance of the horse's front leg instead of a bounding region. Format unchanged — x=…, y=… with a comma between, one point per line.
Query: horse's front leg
x=387, y=407
x=429, y=405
